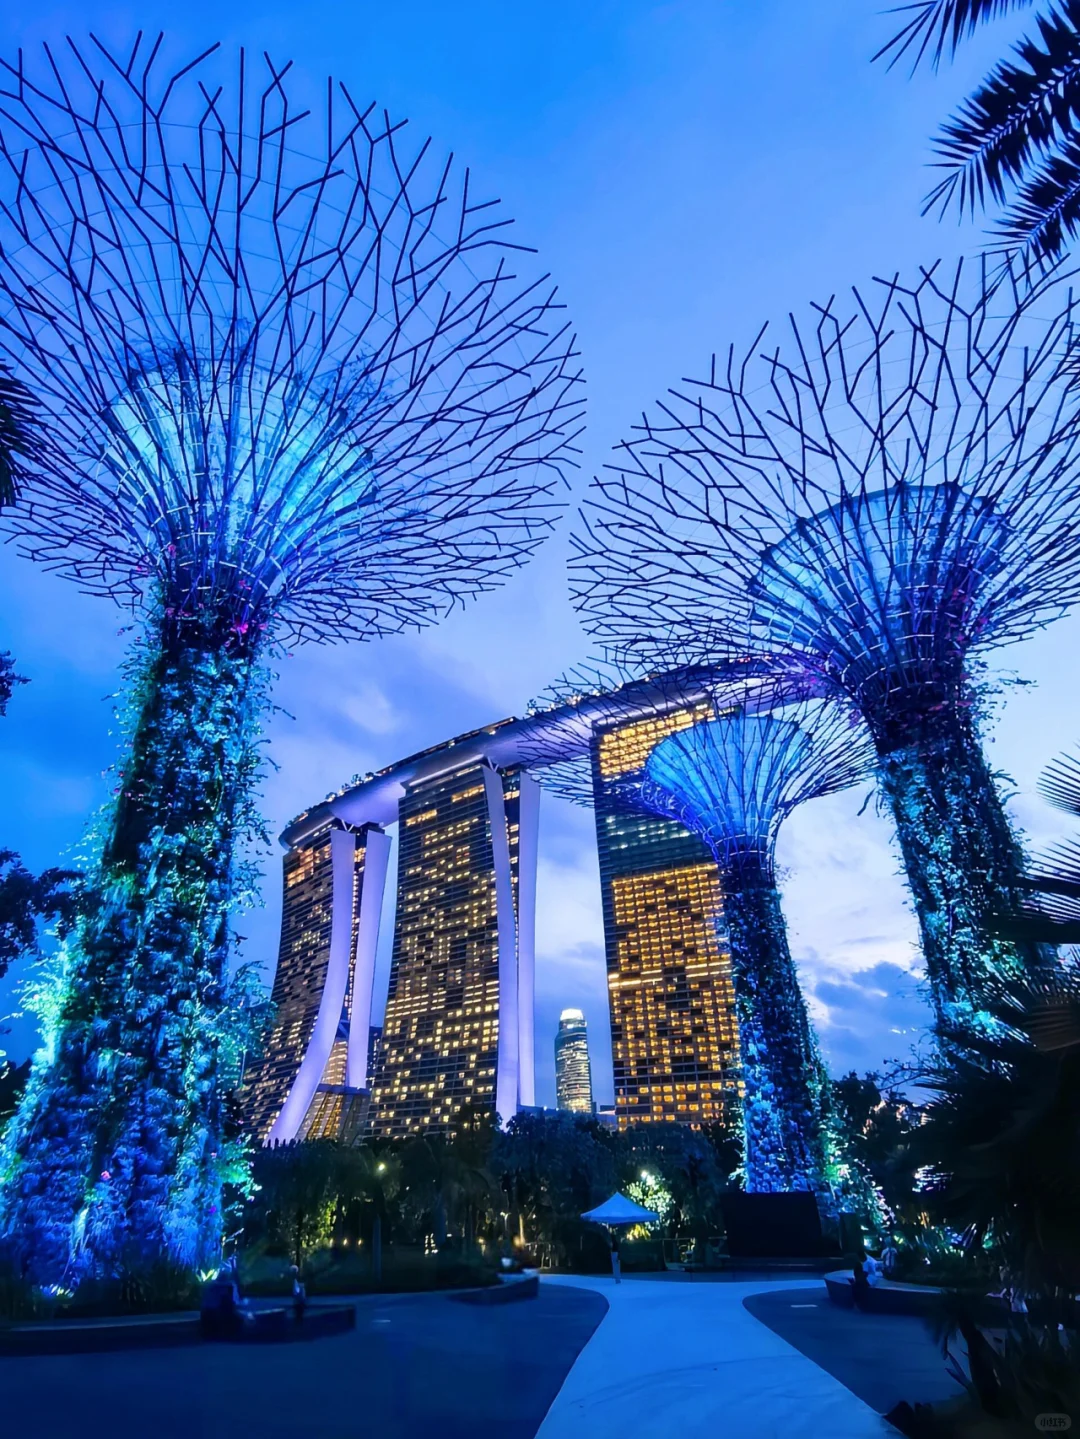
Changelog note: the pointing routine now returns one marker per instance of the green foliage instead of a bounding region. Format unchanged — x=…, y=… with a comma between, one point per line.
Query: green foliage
x=785, y=1101
x=554, y=1168
x=474, y=1195
x=1001, y=1138
x=26, y=900
x=693, y=1166
x=446, y=1182
x=336, y=1271
x=1032, y=1370
x=295, y=1190
x=878, y=1125
x=8, y=679
x=963, y=863
x=933, y=1255
x=120, y=1153
x=13, y=1079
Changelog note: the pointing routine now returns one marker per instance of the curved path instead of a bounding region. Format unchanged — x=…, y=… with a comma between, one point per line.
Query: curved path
x=685, y=1359
x=415, y=1367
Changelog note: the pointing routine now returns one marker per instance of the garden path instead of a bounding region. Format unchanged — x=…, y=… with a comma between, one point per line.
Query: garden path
x=687, y=1360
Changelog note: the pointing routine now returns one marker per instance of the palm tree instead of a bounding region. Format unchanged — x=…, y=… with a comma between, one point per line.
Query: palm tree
x=1000, y=1141
x=1014, y=142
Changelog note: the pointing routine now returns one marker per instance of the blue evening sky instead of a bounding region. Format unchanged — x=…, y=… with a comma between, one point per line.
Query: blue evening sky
x=686, y=170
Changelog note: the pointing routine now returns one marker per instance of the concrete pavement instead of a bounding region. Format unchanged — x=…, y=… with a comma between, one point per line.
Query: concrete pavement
x=687, y=1361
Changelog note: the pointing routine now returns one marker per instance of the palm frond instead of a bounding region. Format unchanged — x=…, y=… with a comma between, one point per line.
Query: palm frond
x=1026, y=108
x=1054, y=1023
x=16, y=433
x=1046, y=212
x=935, y=27
x=1059, y=784
x=1050, y=911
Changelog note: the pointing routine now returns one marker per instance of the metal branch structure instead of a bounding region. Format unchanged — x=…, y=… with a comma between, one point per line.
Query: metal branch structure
x=294, y=381
x=752, y=750
x=885, y=494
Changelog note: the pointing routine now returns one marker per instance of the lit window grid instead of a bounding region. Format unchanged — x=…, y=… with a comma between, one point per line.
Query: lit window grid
x=674, y=1037
x=573, y=1072
x=303, y=959
x=625, y=748
x=440, y=1035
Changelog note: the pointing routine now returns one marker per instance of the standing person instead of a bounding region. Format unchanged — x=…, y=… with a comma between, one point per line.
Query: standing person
x=299, y=1295
x=616, y=1264
x=889, y=1257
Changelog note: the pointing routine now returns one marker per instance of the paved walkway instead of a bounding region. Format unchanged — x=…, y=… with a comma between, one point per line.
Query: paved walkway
x=687, y=1360
x=883, y=1358
x=415, y=1367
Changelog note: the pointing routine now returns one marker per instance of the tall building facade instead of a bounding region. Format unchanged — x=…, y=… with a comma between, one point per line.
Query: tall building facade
x=573, y=1072
x=458, y=1027
x=312, y=1080
x=673, y=1030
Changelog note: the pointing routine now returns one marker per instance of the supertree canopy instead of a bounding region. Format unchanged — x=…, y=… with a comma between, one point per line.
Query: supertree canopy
x=293, y=385
x=752, y=750
x=884, y=496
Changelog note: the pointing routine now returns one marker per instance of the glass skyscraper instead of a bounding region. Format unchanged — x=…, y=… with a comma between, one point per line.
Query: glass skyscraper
x=673, y=1034
x=573, y=1072
x=451, y=1035
x=312, y=1080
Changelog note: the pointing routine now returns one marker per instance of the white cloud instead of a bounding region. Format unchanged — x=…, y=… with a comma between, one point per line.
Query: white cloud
x=370, y=710
x=569, y=919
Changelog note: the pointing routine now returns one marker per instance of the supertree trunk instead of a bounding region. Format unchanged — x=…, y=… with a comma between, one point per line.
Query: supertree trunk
x=785, y=1098
x=116, y=1156
x=962, y=859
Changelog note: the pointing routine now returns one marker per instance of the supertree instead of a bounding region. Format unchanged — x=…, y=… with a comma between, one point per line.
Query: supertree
x=293, y=387
x=748, y=752
x=885, y=497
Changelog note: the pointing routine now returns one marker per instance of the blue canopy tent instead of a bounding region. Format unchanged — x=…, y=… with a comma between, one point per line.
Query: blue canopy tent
x=618, y=1212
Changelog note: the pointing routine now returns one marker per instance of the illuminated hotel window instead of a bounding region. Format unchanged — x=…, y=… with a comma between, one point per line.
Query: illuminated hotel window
x=669, y=976
x=441, y=1031
x=306, y=924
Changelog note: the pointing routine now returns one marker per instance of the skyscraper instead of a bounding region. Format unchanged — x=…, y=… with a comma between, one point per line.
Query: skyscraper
x=573, y=1073
x=673, y=1034
x=312, y=1081
x=451, y=1036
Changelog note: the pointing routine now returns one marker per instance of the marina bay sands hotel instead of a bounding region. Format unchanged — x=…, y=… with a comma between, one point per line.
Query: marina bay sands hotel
x=458, y=1027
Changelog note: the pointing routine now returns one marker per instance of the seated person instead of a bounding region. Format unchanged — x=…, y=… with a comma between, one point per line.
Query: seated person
x=865, y=1274
x=222, y=1313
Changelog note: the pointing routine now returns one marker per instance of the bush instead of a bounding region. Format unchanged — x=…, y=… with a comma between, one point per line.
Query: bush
x=158, y=1288
x=1029, y=1372
x=404, y=1271
x=16, y=1296
x=641, y=1256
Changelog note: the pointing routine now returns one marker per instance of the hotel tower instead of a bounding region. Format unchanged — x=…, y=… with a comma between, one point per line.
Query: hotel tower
x=458, y=1028
x=312, y=1081
x=674, y=1040
x=451, y=1037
